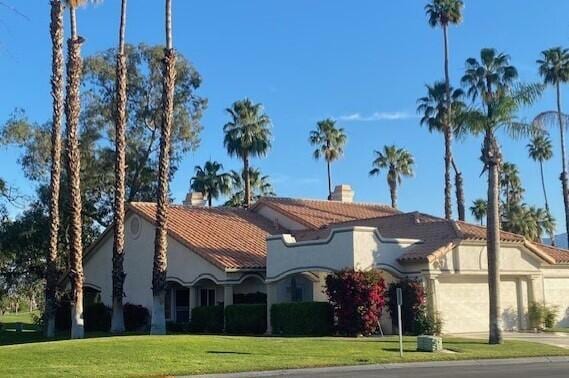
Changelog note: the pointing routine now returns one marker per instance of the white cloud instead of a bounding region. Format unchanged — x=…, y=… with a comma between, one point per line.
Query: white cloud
x=377, y=116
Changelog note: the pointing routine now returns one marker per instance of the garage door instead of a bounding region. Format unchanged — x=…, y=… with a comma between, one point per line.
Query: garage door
x=463, y=304
x=557, y=294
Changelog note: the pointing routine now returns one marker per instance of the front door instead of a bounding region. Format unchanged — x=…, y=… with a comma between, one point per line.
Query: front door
x=182, y=305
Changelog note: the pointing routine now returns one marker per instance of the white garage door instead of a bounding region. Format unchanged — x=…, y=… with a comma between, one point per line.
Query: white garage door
x=557, y=294
x=463, y=304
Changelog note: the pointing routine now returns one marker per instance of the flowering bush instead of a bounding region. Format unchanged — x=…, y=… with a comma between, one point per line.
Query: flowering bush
x=413, y=306
x=358, y=299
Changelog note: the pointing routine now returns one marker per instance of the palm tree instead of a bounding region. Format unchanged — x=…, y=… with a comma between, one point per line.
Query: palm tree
x=443, y=13
x=554, y=68
x=247, y=135
x=158, y=324
x=398, y=162
x=545, y=222
x=520, y=220
x=330, y=143
x=260, y=187
x=72, y=113
x=210, y=181
x=478, y=210
x=117, y=321
x=432, y=108
x=57, y=94
x=511, y=184
x=490, y=80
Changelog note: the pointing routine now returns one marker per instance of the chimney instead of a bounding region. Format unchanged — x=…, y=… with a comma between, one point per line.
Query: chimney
x=194, y=199
x=343, y=193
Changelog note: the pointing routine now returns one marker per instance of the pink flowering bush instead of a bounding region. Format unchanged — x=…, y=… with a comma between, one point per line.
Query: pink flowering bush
x=358, y=299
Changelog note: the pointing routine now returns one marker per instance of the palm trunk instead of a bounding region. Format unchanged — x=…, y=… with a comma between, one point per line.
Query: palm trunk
x=57, y=93
x=492, y=161
x=72, y=111
x=209, y=200
x=393, y=192
x=158, y=326
x=564, y=178
x=459, y=184
x=247, y=181
x=551, y=235
x=329, y=180
x=117, y=322
x=447, y=132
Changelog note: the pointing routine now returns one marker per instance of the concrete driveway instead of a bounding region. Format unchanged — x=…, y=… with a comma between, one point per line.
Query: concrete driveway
x=556, y=339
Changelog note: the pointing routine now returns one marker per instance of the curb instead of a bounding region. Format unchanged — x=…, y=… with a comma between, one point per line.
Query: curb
x=390, y=366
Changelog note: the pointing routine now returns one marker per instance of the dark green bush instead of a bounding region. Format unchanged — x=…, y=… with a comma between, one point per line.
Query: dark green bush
x=176, y=327
x=246, y=319
x=207, y=319
x=136, y=317
x=63, y=315
x=427, y=324
x=250, y=298
x=305, y=318
x=97, y=318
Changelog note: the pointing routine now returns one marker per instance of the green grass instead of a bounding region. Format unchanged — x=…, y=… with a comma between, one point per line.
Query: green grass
x=22, y=354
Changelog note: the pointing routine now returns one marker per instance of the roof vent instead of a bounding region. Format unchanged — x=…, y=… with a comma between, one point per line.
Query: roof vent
x=343, y=193
x=195, y=199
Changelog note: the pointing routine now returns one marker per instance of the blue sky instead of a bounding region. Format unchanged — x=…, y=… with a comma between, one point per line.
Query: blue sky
x=364, y=63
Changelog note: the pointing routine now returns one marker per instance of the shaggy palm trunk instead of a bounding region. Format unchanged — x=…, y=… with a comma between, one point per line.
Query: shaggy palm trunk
x=447, y=132
x=563, y=177
x=117, y=321
x=57, y=93
x=72, y=112
x=459, y=184
x=551, y=234
x=158, y=324
x=247, y=181
x=492, y=161
x=329, y=180
x=393, y=192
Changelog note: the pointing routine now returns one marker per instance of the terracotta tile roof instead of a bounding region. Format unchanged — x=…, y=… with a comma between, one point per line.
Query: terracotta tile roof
x=229, y=238
x=315, y=214
x=559, y=255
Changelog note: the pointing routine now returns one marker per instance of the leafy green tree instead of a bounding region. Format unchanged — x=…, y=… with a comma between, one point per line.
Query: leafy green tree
x=210, y=181
x=398, y=162
x=260, y=187
x=479, y=209
x=247, y=135
x=443, y=13
x=330, y=142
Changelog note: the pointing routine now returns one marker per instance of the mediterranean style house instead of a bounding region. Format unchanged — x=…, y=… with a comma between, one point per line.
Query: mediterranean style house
x=285, y=247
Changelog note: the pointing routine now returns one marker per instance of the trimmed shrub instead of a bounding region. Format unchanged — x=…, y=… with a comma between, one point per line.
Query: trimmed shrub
x=427, y=324
x=251, y=298
x=97, y=318
x=358, y=300
x=550, y=315
x=414, y=305
x=207, y=319
x=175, y=327
x=304, y=318
x=63, y=316
x=136, y=317
x=542, y=316
x=246, y=319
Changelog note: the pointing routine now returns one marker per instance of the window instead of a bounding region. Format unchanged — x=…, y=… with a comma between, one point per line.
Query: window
x=207, y=297
x=182, y=305
x=168, y=304
x=295, y=291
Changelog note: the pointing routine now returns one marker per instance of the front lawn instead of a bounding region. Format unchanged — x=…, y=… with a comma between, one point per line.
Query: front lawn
x=186, y=354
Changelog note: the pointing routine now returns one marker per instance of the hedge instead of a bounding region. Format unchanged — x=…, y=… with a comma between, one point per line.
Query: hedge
x=97, y=318
x=305, y=318
x=246, y=319
x=207, y=319
x=136, y=317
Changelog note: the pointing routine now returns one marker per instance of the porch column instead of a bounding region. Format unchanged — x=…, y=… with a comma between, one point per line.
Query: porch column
x=227, y=295
x=533, y=290
x=271, y=299
x=521, y=308
x=193, y=299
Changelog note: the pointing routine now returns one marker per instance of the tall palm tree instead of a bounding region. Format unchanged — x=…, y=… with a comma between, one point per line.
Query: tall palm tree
x=398, y=162
x=479, y=209
x=247, y=135
x=72, y=113
x=330, y=143
x=490, y=80
x=117, y=321
x=443, y=13
x=210, y=181
x=57, y=94
x=260, y=187
x=158, y=323
x=554, y=69
x=433, y=112
x=540, y=149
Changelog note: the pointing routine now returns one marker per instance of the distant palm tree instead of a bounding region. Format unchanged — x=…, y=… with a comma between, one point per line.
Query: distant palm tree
x=511, y=184
x=540, y=149
x=443, y=13
x=544, y=221
x=210, y=182
x=432, y=108
x=260, y=187
x=398, y=162
x=478, y=210
x=158, y=323
x=554, y=68
x=330, y=143
x=57, y=94
x=247, y=135
x=520, y=220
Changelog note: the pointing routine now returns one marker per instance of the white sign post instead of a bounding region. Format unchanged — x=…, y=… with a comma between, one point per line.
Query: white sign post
x=399, y=303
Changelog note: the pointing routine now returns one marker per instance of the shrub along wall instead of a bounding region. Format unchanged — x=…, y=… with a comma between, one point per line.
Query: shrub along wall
x=305, y=318
x=246, y=319
x=136, y=317
x=207, y=319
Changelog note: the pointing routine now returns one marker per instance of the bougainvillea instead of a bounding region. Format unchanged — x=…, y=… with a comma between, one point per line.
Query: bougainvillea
x=414, y=302
x=358, y=299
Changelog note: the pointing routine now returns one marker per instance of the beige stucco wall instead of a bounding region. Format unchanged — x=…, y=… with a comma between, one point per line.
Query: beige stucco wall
x=556, y=292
